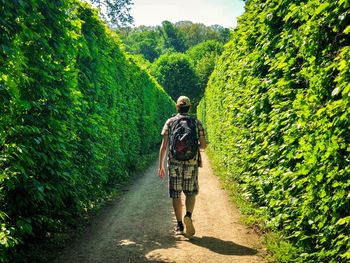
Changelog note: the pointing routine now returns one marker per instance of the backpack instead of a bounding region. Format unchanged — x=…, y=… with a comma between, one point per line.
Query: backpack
x=183, y=138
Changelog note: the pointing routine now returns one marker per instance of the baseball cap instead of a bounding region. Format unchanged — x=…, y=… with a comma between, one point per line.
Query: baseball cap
x=183, y=101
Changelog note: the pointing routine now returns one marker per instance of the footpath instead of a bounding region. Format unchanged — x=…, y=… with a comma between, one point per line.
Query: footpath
x=138, y=227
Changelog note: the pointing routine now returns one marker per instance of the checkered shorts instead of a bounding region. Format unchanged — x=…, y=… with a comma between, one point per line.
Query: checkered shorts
x=183, y=178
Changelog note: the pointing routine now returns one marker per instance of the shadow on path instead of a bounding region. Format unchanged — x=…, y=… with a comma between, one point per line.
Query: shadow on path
x=222, y=247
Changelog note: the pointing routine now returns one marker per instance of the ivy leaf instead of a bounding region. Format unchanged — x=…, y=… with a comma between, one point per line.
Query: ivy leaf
x=347, y=30
x=321, y=8
x=343, y=221
x=335, y=92
x=342, y=65
x=346, y=255
x=319, y=177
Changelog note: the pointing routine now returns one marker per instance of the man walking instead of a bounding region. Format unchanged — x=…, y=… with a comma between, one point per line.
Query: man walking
x=183, y=135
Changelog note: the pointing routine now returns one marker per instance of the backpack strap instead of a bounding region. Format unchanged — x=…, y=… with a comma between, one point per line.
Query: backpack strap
x=177, y=118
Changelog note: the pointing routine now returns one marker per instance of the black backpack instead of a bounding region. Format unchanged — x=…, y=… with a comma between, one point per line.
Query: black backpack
x=184, y=138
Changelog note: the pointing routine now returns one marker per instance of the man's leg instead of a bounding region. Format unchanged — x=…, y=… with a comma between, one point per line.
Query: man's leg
x=191, y=192
x=175, y=189
x=190, y=202
x=177, y=205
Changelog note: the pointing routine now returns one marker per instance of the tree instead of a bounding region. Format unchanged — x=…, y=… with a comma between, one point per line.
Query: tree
x=115, y=12
x=201, y=50
x=177, y=75
x=196, y=33
x=173, y=39
x=203, y=57
x=153, y=41
x=145, y=41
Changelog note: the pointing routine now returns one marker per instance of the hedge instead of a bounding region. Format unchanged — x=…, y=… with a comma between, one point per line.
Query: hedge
x=77, y=115
x=277, y=113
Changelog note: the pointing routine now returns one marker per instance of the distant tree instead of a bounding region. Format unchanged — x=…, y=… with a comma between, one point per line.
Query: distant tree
x=201, y=50
x=145, y=41
x=153, y=41
x=196, y=33
x=115, y=12
x=177, y=75
x=203, y=57
x=223, y=33
x=173, y=38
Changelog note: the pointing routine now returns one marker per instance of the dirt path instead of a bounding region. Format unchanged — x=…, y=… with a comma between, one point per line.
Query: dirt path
x=138, y=228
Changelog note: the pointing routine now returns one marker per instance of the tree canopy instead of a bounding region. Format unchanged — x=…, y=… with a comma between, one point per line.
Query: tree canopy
x=154, y=41
x=115, y=12
x=204, y=57
x=195, y=46
x=176, y=74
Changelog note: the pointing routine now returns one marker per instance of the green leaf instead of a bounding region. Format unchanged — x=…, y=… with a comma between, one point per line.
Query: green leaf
x=347, y=30
x=343, y=221
x=346, y=255
x=342, y=65
x=319, y=177
x=24, y=226
x=321, y=8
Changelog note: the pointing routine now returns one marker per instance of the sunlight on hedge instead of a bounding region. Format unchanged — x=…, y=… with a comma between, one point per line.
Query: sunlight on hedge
x=277, y=112
x=77, y=115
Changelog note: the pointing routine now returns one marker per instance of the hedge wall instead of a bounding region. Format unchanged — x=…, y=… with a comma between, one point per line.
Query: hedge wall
x=76, y=116
x=277, y=111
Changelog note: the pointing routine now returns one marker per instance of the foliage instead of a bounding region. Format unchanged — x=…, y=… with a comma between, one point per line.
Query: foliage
x=202, y=44
x=177, y=75
x=173, y=39
x=152, y=42
x=116, y=12
x=76, y=115
x=201, y=50
x=196, y=33
x=204, y=57
x=277, y=115
x=144, y=41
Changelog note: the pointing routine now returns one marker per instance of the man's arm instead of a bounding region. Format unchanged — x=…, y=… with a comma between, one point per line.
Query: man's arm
x=202, y=142
x=162, y=154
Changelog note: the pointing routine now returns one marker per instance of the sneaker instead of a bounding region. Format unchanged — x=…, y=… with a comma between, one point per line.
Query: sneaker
x=179, y=230
x=189, y=226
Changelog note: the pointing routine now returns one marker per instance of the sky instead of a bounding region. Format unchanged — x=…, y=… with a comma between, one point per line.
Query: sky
x=208, y=12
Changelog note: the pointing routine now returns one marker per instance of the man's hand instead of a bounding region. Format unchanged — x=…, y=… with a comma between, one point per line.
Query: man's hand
x=161, y=172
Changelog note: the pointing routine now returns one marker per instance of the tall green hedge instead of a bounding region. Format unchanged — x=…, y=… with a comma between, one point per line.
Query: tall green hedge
x=77, y=115
x=277, y=110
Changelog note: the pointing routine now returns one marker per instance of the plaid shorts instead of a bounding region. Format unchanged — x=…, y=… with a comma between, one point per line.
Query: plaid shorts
x=183, y=178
